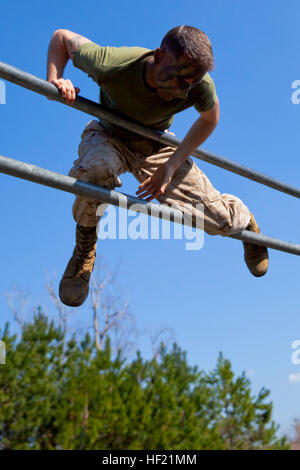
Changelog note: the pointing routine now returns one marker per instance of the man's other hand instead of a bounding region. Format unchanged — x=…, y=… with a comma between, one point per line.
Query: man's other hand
x=156, y=184
x=67, y=89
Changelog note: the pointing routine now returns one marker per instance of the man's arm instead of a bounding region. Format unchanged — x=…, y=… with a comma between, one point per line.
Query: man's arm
x=199, y=132
x=62, y=47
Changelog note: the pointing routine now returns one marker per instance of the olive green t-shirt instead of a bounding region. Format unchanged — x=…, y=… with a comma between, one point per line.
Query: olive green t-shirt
x=120, y=73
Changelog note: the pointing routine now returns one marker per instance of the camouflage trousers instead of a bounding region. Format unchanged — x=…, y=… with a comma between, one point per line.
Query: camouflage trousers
x=103, y=157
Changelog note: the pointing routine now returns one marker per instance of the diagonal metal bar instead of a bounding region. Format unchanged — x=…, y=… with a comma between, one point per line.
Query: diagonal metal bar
x=46, y=177
x=31, y=82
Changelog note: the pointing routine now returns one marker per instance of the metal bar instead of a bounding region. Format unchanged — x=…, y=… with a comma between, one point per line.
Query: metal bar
x=45, y=177
x=45, y=88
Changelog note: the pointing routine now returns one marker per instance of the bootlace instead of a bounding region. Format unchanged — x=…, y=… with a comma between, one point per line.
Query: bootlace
x=86, y=238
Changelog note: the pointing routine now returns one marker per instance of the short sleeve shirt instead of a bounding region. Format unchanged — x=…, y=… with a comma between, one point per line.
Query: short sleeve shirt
x=120, y=73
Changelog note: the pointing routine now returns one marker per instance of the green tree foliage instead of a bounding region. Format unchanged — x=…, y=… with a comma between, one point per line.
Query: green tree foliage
x=64, y=394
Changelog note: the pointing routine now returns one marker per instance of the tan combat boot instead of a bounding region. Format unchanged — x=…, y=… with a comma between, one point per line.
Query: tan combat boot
x=74, y=285
x=256, y=256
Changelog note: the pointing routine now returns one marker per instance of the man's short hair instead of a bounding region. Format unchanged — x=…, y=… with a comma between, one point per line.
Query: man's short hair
x=191, y=42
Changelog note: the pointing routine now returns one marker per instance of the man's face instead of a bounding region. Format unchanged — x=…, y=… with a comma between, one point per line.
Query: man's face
x=175, y=76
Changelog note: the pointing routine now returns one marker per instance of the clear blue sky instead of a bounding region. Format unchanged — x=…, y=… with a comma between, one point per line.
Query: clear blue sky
x=208, y=297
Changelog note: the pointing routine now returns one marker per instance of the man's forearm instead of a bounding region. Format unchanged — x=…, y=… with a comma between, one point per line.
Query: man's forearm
x=57, y=57
x=198, y=134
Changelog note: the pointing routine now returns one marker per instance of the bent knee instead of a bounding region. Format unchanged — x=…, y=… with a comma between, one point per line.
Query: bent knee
x=97, y=174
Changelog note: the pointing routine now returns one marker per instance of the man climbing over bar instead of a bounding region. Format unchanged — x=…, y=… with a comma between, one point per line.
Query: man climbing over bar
x=148, y=87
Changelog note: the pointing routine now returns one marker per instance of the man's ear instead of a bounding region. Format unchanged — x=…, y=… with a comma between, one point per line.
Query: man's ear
x=158, y=55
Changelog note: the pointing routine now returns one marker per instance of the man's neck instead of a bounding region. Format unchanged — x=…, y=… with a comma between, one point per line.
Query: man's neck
x=149, y=75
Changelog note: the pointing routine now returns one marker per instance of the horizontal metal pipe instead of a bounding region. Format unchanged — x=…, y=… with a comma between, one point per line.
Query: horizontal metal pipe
x=72, y=185
x=45, y=88
x=46, y=177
